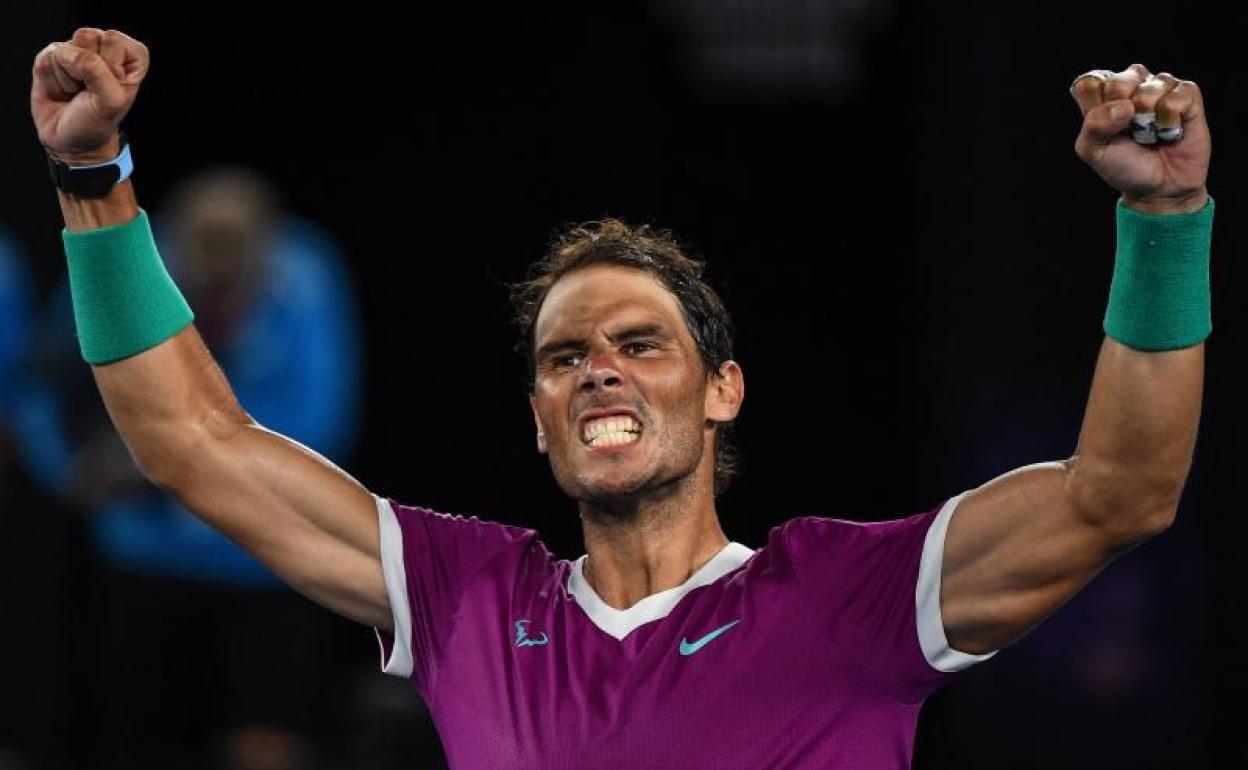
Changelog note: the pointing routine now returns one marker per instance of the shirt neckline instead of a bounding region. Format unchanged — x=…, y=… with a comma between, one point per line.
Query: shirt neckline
x=620, y=623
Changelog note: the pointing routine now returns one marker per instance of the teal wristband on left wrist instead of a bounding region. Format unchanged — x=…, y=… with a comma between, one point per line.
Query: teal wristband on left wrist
x=1159, y=295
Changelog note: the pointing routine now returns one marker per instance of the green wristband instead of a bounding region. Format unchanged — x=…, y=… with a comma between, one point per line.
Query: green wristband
x=124, y=300
x=1159, y=296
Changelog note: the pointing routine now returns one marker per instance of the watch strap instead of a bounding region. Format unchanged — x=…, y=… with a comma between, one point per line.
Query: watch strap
x=95, y=180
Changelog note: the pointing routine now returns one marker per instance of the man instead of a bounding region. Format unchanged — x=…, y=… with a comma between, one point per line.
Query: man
x=665, y=645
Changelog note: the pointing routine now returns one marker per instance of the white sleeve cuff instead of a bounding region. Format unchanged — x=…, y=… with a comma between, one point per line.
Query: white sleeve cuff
x=936, y=649
x=399, y=660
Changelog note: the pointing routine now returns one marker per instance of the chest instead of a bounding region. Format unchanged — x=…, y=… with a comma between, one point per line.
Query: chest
x=729, y=674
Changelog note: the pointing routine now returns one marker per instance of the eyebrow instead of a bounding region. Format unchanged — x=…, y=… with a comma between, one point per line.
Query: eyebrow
x=636, y=331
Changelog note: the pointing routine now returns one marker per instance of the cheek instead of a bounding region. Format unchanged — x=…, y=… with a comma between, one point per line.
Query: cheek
x=683, y=405
x=546, y=403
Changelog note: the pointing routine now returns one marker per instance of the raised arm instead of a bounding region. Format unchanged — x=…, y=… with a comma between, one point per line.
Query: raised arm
x=1023, y=544
x=305, y=519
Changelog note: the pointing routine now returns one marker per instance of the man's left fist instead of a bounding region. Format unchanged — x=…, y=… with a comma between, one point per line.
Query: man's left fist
x=1166, y=177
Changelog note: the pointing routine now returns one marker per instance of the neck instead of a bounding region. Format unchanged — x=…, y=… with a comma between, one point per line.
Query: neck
x=646, y=545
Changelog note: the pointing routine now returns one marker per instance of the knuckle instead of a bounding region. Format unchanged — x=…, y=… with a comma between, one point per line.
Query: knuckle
x=1117, y=90
x=1083, y=142
x=1087, y=86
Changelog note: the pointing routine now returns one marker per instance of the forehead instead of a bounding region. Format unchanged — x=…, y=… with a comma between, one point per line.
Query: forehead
x=599, y=294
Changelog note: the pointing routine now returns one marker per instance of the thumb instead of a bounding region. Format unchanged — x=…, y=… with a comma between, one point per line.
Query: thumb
x=1108, y=120
x=90, y=69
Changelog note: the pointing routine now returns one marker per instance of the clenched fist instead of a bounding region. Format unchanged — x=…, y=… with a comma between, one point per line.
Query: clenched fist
x=1161, y=178
x=81, y=90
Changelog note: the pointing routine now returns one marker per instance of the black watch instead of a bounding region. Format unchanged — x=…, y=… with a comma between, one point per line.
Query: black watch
x=92, y=181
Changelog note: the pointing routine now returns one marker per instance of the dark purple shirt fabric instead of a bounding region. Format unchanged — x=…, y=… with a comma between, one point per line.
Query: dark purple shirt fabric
x=803, y=654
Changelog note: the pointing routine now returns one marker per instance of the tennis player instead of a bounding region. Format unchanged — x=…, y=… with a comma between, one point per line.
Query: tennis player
x=665, y=645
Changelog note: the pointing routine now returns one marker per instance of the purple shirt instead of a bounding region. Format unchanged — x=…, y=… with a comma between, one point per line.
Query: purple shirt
x=815, y=651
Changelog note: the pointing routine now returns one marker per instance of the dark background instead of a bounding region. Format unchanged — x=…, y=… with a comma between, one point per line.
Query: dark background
x=888, y=200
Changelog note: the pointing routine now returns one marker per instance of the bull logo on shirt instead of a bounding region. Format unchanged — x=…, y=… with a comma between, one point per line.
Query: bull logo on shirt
x=522, y=636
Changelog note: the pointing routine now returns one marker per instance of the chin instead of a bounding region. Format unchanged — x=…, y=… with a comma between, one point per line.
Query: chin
x=612, y=487
x=608, y=489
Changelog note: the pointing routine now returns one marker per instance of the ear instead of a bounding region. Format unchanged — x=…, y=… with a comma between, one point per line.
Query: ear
x=725, y=393
x=541, y=433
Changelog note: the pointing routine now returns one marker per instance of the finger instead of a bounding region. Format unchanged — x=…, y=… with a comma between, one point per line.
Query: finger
x=88, y=38
x=66, y=83
x=1088, y=89
x=1180, y=106
x=1150, y=92
x=113, y=51
x=1145, y=98
x=49, y=79
x=127, y=56
x=89, y=68
x=1101, y=125
x=1121, y=85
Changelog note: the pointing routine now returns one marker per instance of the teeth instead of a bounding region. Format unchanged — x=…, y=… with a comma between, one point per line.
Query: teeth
x=613, y=438
x=610, y=431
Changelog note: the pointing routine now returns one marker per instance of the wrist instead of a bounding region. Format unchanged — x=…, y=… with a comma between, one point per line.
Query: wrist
x=1187, y=203
x=106, y=152
x=116, y=208
x=1159, y=295
x=79, y=179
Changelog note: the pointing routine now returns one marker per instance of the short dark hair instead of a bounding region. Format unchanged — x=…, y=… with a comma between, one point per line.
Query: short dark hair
x=654, y=251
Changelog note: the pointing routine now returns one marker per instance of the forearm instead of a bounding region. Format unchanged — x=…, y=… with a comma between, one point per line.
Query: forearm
x=168, y=403
x=168, y=399
x=1139, y=431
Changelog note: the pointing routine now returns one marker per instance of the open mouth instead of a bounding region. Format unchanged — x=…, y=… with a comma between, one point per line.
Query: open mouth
x=612, y=430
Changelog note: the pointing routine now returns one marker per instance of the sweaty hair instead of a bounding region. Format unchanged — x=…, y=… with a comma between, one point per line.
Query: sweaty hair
x=658, y=253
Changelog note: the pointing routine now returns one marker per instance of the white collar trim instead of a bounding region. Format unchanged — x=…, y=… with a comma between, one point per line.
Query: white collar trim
x=620, y=623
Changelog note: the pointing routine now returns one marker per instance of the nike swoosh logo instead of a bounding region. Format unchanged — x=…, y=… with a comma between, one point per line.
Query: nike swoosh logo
x=689, y=648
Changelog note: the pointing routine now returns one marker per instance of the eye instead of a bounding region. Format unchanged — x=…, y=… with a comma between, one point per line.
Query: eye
x=638, y=347
x=565, y=360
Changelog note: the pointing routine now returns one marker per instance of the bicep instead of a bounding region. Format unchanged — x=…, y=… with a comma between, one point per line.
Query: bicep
x=308, y=521
x=1017, y=549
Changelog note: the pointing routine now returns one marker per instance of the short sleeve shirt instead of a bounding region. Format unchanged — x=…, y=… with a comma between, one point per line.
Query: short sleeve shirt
x=814, y=651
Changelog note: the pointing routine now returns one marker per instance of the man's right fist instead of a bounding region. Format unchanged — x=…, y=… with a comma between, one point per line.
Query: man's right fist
x=81, y=90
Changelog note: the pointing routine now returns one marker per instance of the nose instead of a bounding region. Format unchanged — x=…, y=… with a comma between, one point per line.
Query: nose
x=600, y=372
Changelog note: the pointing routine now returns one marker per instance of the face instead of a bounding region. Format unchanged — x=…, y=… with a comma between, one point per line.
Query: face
x=621, y=400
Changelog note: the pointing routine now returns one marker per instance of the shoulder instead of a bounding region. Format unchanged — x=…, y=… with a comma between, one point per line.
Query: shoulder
x=463, y=537
x=436, y=518
x=830, y=556
x=822, y=533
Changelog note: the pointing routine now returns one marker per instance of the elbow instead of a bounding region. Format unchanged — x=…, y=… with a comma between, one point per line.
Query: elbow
x=1160, y=519
x=162, y=466
x=1130, y=508
x=161, y=469
x=177, y=453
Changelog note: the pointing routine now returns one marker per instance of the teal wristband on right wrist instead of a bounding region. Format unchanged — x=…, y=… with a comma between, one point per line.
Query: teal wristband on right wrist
x=124, y=300
x=1159, y=295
